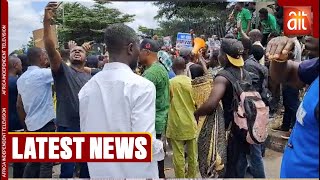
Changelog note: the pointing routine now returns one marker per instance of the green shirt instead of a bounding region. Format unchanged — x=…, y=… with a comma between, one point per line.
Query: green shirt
x=244, y=16
x=158, y=75
x=270, y=25
x=181, y=122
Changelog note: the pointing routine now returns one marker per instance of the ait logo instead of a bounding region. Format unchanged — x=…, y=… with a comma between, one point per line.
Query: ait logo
x=297, y=20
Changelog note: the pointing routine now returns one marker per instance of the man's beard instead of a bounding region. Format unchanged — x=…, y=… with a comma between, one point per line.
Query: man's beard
x=77, y=62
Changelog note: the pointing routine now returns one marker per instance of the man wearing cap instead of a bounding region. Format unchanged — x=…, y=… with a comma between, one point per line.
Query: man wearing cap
x=230, y=57
x=156, y=73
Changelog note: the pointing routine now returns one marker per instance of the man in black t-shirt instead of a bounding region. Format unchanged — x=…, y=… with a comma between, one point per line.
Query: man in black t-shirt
x=68, y=81
x=230, y=57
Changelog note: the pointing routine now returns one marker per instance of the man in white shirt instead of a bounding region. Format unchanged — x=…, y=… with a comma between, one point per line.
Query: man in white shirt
x=117, y=100
x=35, y=105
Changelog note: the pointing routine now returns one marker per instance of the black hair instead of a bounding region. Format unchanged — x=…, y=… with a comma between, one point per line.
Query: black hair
x=65, y=54
x=66, y=45
x=12, y=60
x=256, y=35
x=100, y=58
x=33, y=55
x=92, y=61
x=179, y=63
x=247, y=44
x=263, y=11
x=24, y=61
x=196, y=70
x=117, y=36
x=257, y=52
x=240, y=3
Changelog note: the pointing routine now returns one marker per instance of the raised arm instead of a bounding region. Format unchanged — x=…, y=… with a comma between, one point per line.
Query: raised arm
x=244, y=36
x=282, y=70
x=217, y=93
x=54, y=55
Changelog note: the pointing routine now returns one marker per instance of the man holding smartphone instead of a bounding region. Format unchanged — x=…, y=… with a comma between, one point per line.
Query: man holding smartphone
x=68, y=81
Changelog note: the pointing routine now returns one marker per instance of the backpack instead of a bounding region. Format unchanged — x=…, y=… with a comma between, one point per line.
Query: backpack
x=250, y=112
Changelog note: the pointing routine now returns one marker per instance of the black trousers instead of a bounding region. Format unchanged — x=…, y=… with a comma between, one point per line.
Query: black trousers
x=36, y=169
x=160, y=163
x=18, y=169
x=291, y=104
x=264, y=40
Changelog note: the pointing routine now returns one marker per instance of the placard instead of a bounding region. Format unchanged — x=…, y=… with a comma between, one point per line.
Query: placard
x=183, y=40
x=214, y=44
x=38, y=37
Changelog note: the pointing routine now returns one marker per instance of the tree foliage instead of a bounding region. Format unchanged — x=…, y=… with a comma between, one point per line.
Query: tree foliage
x=80, y=23
x=179, y=16
x=31, y=43
x=149, y=31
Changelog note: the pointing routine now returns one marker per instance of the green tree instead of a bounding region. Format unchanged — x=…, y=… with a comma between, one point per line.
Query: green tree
x=150, y=31
x=206, y=18
x=18, y=51
x=31, y=43
x=80, y=23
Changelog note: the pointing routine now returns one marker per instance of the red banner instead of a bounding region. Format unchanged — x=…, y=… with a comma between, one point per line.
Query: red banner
x=79, y=147
x=4, y=89
x=298, y=4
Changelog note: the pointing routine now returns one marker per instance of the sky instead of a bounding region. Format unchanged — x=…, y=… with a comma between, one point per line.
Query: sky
x=25, y=16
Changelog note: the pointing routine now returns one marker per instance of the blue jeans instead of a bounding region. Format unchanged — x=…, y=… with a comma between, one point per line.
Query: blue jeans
x=291, y=104
x=255, y=162
x=67, y=169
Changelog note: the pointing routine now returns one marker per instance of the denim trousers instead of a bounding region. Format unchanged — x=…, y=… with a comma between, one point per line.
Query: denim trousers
x=255, y=162
x=68, y=169
x=36, y=169
x=291, y=104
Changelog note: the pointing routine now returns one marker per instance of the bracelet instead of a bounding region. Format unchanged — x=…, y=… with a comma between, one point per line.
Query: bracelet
x=279, y=61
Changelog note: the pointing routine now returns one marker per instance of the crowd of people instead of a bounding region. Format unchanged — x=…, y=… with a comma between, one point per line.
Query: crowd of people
x=139, y=86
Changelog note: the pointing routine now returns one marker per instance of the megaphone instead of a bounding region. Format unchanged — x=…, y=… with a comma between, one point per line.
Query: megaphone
x=198, y=44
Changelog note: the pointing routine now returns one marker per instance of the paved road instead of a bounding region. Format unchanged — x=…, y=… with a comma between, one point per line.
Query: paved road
x=272, y=162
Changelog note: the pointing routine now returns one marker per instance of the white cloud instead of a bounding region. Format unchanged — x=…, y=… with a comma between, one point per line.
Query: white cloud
x=23, y=18
x=144, y=11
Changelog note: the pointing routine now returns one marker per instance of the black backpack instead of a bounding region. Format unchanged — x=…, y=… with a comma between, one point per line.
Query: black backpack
x=251, y=115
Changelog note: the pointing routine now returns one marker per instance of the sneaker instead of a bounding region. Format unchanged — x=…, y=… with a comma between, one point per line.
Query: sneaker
x=286, y=136
x=278, y=129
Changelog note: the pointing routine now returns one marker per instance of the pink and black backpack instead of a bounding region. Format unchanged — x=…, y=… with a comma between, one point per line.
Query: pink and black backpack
x=250, y=112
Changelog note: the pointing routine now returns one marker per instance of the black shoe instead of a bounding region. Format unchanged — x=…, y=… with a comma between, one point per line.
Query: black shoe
x=249, y=170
